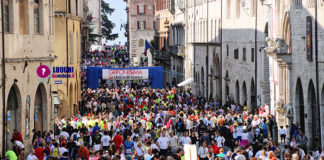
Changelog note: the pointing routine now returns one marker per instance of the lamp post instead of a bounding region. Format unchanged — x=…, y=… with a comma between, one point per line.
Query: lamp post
x=317, y=76
x=3, y=86
x=256, y=54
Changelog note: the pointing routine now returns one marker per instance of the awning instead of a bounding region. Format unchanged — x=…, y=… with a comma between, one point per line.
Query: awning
x=186, y=82
x=56, y=101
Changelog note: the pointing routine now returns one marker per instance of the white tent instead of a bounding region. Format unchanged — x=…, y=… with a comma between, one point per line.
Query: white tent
x=186, y=82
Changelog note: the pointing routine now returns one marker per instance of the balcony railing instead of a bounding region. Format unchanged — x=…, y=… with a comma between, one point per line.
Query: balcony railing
x=177, y=50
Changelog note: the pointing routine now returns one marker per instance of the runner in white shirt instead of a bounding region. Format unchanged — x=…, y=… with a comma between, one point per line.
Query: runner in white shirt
x=220, y=140
x=173, y=142
x=31, y=155
x=105, y=139
x=189, y=125
x=19, y=144
x=140, y=149
x=239, y=131
x=185, y=139
x=163, y=143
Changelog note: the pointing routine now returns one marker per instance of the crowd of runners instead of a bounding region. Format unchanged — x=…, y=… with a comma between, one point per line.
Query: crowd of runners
x=115, y=56
x=131, y=121
x=124, y=123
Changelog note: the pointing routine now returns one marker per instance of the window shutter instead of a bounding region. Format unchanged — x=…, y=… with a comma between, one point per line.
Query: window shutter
x=144, y=24
x=144, y=9
x=138, y=24
x=137, y=9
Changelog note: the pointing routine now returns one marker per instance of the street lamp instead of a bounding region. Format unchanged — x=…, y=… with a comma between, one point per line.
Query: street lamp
x=4, y=143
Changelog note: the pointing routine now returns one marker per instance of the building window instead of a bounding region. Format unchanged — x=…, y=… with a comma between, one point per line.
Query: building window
x=236, y=53
x=36, y=17
x=6, y=16
x=244, y=54
x=238, y=8
x=141, y=25
x=69, y=6
x=228, y=15
x=253, y=7
x=311, y=3
x=227, y=50
x=141, y=43
x=212, y=30
x=299, y=4
x=141, y=9
x=252, y=54
x=78, y=46
x=76, y=7
x=71, y=48
x=27, y=117
x=22, y=16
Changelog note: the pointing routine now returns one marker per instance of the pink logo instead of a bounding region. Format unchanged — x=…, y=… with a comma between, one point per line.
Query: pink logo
x=43, y=71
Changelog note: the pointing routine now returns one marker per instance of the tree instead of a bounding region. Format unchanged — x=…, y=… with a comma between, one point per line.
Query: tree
x=107, y=25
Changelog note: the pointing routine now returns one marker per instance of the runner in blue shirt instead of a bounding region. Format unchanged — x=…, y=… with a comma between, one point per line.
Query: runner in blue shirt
x=129, y=148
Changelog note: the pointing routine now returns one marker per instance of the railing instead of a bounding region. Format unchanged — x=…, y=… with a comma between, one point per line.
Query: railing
x=176, y=50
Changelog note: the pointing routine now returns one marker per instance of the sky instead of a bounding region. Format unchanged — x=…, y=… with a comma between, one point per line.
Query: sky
x=119, y=16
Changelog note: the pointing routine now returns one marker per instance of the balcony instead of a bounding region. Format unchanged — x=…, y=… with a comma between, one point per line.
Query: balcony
x=177, y=50
x=280, y=49
x=162, y=55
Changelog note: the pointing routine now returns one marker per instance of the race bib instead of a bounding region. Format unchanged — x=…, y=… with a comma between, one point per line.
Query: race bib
x=128, y=151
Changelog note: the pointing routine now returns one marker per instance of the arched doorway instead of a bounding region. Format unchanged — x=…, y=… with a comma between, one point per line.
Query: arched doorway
x=40, y=108
x=311, y=102
x=299, y=101
x=253, y=96
x=237, y=92
x=244, y=98
x=13, y=112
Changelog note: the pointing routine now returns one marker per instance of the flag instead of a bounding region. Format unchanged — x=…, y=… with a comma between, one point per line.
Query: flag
x=147, y=46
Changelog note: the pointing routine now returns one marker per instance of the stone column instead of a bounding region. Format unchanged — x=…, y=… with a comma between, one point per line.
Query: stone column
x=291, y=90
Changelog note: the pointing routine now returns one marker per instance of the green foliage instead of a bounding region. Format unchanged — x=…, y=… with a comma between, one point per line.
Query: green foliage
x=107, y=25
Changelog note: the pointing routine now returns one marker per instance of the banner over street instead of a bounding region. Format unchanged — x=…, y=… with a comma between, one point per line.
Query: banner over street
x=125, y=74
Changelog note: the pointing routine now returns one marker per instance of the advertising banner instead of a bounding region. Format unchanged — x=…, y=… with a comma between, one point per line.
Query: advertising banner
x=309, y=38
x=125, y=74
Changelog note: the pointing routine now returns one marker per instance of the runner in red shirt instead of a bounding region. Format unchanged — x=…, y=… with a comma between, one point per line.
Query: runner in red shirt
x=214, y=148
x=118, y=139
x=39, y=151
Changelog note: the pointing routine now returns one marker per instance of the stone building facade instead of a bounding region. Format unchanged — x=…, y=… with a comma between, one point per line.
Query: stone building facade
x=239, y=62
x=203, y=46
x=178, y=46
x=140, y=27
x=163, y=18
x=29, y=43
x=68, y=19
x=221, y=37
x=294, y=62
